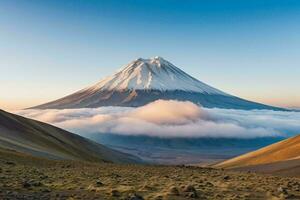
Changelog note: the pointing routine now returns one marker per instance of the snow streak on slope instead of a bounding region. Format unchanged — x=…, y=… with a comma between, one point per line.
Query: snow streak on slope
x=153, y=74
x=146, y=80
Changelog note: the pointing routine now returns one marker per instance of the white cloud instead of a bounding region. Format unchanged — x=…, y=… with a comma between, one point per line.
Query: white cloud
x=171, y=119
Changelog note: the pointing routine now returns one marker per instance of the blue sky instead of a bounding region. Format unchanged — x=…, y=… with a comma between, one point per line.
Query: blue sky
x=52, y=48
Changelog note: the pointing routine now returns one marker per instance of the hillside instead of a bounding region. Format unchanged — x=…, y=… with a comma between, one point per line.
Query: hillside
x=43, y=140
x=284, y=151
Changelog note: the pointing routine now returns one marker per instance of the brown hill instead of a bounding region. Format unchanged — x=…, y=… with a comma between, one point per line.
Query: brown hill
x=43, y=140
x=279, y=153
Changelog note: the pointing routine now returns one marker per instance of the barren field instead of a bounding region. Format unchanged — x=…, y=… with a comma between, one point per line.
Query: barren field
x=26, y=177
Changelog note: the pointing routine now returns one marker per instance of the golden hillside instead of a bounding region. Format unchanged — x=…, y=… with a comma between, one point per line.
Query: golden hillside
x=288, y=149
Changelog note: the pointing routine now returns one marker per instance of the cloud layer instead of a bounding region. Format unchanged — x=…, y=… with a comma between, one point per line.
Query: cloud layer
x=171, y=119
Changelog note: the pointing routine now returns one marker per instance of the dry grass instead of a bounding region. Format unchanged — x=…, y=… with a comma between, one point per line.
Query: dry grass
x=26, y=177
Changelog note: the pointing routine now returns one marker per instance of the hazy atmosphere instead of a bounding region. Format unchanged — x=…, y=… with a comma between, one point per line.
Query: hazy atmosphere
x=52, y=48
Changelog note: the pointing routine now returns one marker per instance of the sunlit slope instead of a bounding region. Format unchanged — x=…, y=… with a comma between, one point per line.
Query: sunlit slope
x=285, y=150
x=43, y=140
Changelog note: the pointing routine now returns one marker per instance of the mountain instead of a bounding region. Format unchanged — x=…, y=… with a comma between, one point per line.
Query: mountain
x=146, y=80
x=43, y=140
x=282, y=157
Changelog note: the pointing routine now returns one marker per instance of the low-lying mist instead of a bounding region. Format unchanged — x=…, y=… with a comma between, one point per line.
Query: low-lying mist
x=169, y=118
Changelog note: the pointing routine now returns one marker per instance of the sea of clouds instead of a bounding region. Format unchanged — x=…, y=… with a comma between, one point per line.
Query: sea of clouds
x=169, y=118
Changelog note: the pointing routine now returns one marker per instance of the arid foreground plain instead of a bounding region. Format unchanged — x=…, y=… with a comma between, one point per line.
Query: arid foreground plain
x=26, y=177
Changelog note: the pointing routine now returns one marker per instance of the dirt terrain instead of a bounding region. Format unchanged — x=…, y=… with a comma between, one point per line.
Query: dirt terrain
x=25, y=177
x=289, y=168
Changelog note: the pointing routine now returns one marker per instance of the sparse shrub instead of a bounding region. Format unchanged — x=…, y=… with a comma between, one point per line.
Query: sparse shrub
x=174, y=191
x=99, y=183
x=26, y=184
x=191, y=191
x=115, y=193
x=136, y=197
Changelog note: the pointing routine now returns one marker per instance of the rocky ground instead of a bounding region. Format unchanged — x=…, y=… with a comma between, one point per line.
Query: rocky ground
x=26, y=177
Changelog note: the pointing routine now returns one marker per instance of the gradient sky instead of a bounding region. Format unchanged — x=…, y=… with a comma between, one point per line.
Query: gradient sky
x=52, y=48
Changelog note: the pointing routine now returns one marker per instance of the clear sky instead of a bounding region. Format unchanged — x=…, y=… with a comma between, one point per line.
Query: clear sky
x=249, y=48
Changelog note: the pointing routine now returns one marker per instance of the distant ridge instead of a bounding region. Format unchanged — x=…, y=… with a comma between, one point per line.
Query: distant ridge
x=145, y=80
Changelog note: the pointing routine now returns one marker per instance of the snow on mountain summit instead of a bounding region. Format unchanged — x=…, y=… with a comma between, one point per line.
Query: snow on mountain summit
x=153, y=74
x=146, y=80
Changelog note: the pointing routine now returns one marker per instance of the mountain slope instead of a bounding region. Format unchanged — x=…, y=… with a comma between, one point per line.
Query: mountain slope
x=146, y=80
x=43, y=140
x=153, y=74
x=284, y=151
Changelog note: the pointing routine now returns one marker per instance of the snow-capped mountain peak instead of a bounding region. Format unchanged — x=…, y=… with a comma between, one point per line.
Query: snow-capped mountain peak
x=145, y=80
x=153, y=74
